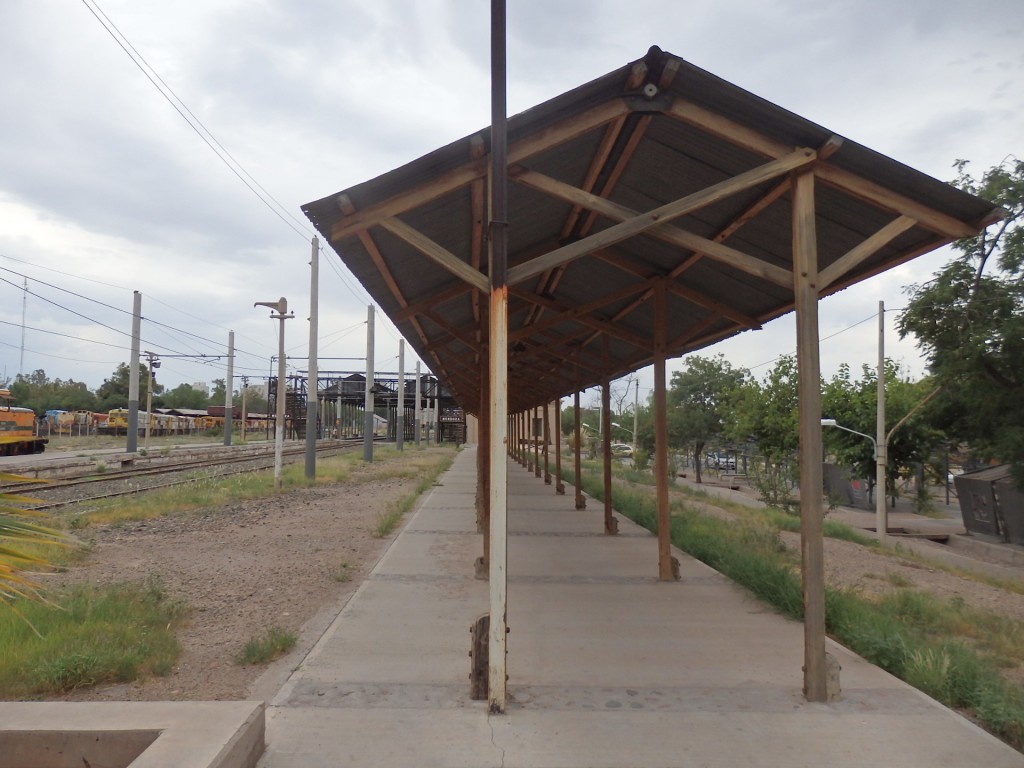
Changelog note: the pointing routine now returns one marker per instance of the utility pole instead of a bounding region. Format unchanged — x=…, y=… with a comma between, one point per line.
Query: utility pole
x=229, y=387
x=636, y=413
x=281, y=308
x=312, y=386
x=133, y=376
x=245, y=415
x=881, y=442
x=368, y=407
x=417, y=413
x=400, y=410
x=24, y=305
x=152, y=362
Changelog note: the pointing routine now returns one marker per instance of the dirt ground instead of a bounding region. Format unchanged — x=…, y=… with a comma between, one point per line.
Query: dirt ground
x=288, y=561
x=293, y=561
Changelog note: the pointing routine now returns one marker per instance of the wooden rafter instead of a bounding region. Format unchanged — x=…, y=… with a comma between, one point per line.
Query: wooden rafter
x=575, y=313
x=378, y=261
x=436, y=253
x=864, y=251
x=654, y=222
x=591, y=319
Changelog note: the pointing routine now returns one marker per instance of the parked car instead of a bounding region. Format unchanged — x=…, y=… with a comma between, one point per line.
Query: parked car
x=624, y=450
x=724, y=461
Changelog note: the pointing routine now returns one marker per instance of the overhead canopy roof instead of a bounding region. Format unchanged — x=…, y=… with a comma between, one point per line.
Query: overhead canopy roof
x=707, y=162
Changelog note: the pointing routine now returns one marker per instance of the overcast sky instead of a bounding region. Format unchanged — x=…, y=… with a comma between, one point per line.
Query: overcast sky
x=105, y=189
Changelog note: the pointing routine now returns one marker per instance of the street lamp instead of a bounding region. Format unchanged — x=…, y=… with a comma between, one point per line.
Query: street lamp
x=154, y=363
x=881, y=513
x=881, y=454
x=281, y=307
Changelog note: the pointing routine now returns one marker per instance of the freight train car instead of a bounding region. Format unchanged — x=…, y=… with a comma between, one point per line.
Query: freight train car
x=17, y=428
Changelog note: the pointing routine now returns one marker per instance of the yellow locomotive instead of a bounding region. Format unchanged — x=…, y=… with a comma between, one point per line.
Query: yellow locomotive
x=17, y=428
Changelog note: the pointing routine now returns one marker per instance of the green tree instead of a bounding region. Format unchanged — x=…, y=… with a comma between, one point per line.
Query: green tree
x=854, y=403
x=767, y=411
x=969, y=321
x=698, y=399
x=114, y=391
x=217, y=393
x=187, y=396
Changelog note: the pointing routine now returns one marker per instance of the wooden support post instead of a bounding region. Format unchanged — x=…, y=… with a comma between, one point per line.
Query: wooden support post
x=535, y=438
x=523, y=454
x=559, y=485
x=661, y=437
x=611, y=525
x=805, y=277
x=546, y=437
x=581, y=501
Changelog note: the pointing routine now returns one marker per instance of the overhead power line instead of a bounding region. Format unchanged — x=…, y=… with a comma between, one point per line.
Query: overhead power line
x=279, y=210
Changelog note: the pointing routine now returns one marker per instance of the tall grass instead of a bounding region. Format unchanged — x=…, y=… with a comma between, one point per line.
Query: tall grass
x=266, y=647
x=94, y=635
x=429, y=470
x=946, y=649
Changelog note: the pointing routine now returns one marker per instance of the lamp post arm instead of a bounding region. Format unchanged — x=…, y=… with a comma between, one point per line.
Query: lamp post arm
x=910, y=413
x=855, y=432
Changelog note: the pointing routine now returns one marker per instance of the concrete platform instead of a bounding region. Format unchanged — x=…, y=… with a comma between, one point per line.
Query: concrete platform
x=607, y=666
x=147, y=734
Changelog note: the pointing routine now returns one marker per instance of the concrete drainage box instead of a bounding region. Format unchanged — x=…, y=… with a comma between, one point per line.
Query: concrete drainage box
x=205, y=734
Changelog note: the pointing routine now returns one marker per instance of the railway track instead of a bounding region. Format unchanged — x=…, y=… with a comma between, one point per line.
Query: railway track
x=94, y=482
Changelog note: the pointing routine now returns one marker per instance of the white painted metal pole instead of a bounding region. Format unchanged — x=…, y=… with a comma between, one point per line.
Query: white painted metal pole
x=498, y=370
x=312, y=384
x=881, y=442
x=368, y=406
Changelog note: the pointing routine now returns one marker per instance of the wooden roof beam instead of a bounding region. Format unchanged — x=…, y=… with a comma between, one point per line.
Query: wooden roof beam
x=855, y=185
x=437, y=253
x=574, y=313
x=585, y=319
x=859, y=254
x=389, y=280
x=896, y=203
x=652, y=222
x=462, y=175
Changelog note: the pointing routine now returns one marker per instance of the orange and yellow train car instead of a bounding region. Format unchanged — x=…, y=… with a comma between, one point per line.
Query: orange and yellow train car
x=17, y=428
